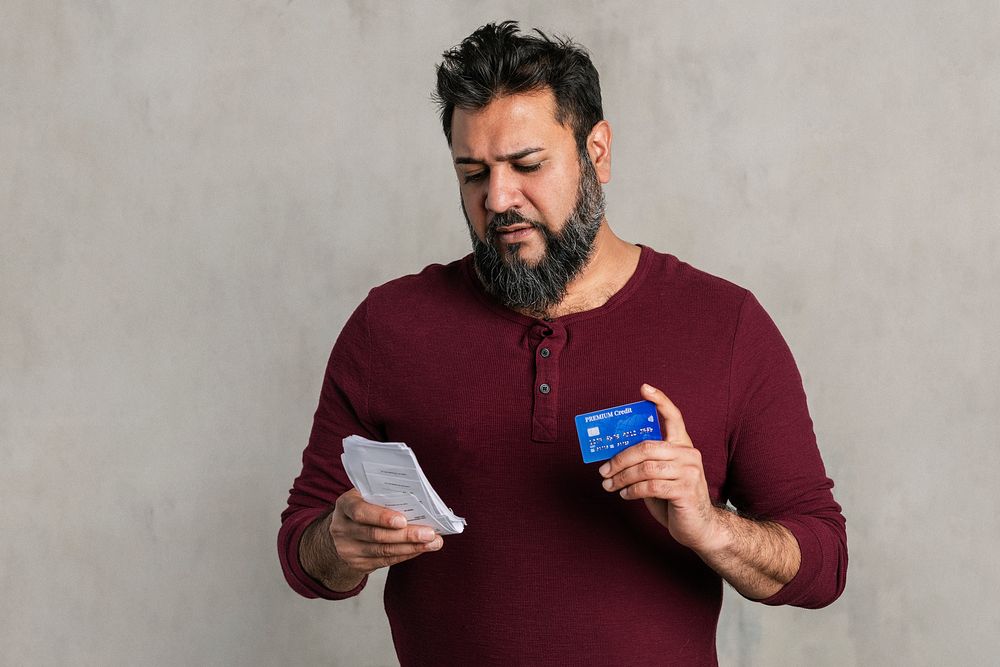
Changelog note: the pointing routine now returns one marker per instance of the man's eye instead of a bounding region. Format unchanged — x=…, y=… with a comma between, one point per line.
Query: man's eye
x=528, y=168
x=475, y=177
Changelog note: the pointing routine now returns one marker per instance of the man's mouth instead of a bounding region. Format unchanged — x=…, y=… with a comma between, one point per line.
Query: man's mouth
x=513, y=228
x=513, y=233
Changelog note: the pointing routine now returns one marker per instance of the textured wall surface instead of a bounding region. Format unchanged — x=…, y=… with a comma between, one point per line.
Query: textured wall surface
x=195, y=195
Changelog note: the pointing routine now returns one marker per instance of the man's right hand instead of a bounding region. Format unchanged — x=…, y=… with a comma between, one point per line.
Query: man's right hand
x=368, y=536
x=357, y=538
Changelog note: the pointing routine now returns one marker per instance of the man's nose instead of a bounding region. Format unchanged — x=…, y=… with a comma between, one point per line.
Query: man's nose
x=503, y=192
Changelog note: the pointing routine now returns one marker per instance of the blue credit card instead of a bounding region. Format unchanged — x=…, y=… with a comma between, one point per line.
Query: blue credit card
x=604, y=433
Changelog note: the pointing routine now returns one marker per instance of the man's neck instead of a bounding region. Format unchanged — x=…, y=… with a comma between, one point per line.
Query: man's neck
x=612, y=264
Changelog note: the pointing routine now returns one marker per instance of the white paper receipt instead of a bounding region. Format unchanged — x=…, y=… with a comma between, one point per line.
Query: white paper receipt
x=387, y=474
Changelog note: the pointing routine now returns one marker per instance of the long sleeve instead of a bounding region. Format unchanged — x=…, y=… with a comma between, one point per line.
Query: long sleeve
x=342, y=411
x=775, y=471
x=433, y=361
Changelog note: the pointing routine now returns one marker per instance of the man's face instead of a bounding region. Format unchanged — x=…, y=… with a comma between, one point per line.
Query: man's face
x=533, y=203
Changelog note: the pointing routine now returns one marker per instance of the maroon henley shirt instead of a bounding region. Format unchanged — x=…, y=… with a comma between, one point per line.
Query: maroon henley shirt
x=552, y=569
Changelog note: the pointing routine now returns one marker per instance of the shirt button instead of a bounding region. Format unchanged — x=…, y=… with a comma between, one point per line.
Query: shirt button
x=545, y=352
x=544, y=388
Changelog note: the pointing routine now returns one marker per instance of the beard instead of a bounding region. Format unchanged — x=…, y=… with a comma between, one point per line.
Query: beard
x=536, y=288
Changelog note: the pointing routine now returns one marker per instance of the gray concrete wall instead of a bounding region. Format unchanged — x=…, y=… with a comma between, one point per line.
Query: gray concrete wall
x=194, y=195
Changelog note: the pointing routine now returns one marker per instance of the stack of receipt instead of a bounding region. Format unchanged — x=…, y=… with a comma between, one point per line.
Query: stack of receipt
x=387, y=474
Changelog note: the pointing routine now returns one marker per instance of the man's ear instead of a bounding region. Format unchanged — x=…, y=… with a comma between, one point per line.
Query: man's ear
x=599, y=149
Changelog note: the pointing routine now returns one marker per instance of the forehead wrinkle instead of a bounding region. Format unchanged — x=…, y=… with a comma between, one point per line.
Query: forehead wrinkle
x=508, y=125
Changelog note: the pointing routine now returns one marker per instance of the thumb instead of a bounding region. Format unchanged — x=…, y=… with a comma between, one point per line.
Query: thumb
x=673, y=422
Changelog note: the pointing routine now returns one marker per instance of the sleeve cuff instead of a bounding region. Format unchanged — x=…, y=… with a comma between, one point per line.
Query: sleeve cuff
x=288, y=551
x=810, y=563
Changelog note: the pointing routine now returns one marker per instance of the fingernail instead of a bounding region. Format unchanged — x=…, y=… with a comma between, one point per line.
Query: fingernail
x=647, y=388
x=607, y=484
x=397, y=522
x=604, y=469
x=425, y=535
x=623, y=493
x=435, y=545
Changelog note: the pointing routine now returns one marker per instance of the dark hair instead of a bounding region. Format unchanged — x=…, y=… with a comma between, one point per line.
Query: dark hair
x=496, y=60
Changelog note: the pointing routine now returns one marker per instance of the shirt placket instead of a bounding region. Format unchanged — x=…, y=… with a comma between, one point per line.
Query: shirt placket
x=551, y=338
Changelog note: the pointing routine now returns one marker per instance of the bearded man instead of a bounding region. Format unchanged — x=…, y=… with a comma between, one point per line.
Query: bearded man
x=481, y=365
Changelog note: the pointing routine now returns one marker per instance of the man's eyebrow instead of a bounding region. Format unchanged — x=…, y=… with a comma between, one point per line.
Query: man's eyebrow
x=517, y=155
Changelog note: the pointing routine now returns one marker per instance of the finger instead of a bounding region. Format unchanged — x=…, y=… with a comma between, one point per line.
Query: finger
x=379, y=551
x=371, y=564
x=375, y=534
x=673, y=422
x=652, y=488
x=645, y=470
x=636, y=454
x=359, y=511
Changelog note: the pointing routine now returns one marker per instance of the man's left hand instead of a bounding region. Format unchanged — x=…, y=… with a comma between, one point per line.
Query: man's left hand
x=668, y=475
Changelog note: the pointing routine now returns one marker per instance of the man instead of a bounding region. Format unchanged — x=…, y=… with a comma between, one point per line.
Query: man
x=481, y=365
